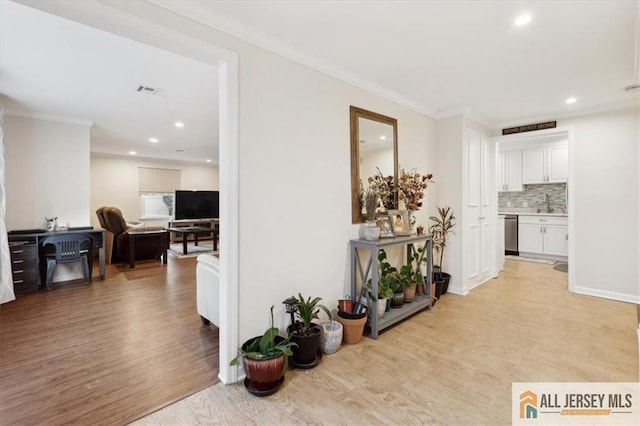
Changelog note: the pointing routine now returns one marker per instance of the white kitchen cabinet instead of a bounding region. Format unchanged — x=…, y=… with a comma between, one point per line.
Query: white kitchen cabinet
x=543, y=235
x=545, y=165
x=509, y=171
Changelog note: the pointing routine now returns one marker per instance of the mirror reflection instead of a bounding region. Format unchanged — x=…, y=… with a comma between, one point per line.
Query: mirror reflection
x=373, y=148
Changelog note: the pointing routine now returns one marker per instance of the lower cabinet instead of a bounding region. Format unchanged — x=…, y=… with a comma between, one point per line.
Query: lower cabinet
x=543, y=235
x=24, y=266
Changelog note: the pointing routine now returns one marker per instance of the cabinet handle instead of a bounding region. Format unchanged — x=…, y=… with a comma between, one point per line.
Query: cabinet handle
x=18, y=271
x=18, y=251
x=566, y=237
x=18, y=281
x=18, y=261
x=542, y=220
x=481, y=218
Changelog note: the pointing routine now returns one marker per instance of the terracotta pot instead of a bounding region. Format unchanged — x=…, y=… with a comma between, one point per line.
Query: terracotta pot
x=264, y=374
x=345, y=305
x=409, y=293
x=352, y=329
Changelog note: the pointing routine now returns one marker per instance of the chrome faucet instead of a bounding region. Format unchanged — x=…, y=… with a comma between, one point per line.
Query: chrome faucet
x=546, y=203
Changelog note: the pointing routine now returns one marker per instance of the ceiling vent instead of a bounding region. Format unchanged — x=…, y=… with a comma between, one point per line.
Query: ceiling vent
x=149, y=90
x=632, y=88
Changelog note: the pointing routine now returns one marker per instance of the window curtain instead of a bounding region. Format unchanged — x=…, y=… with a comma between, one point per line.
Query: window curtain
x=6, y=277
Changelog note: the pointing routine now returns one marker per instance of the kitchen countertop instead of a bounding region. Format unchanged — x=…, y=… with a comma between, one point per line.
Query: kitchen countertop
x=521, y=213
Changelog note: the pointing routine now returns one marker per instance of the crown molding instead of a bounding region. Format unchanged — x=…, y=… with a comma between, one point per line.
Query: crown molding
x=46, y=117
x=612, y=106
x=232, y=27
x=142, y=159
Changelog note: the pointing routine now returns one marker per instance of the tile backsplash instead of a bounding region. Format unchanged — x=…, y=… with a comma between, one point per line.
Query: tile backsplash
x=533, y=196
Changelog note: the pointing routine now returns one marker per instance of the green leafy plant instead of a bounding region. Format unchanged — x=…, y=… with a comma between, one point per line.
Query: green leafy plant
x=384, y=289
x=411, y=271
x=308, y=310
x=440, y=230
x=265, y=346
x=389, y=275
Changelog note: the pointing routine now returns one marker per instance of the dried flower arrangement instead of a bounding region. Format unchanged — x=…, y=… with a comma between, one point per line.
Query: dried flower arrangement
x=411, y=188
x=371, y=203
x=385, y=188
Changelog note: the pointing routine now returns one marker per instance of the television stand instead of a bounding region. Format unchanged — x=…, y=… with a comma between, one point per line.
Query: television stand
x=204, y=223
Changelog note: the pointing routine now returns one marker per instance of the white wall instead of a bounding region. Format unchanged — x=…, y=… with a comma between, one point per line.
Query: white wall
x=606, y=203
x=295, y=181
x=449, y=179
x=114, y=182
x=47, y=172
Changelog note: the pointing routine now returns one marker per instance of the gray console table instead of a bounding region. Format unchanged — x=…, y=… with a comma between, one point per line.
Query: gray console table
x=420, y=302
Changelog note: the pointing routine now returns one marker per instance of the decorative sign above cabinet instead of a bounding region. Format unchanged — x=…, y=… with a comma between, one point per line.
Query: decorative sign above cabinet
x=529, y=128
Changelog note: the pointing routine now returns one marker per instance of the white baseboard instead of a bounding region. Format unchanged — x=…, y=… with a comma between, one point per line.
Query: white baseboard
x=630, y=298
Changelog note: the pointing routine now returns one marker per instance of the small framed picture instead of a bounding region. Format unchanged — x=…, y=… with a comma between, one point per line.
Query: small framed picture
x=384, y=223
x=400, y=222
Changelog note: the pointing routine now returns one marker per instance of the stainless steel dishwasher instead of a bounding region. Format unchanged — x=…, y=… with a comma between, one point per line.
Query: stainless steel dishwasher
x=511, y=234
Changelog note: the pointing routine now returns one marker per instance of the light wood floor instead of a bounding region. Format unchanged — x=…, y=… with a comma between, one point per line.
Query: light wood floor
x=454, y=365
x=108, y=352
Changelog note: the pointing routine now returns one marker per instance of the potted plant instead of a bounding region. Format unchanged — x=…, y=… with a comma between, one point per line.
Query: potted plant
x=305, y=333
x=440, y=230
x=384, y=293
x=263, y=360
x=392, y=278
x=413, y=274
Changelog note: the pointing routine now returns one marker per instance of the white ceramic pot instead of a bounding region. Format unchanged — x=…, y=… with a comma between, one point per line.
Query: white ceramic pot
x=331, y=336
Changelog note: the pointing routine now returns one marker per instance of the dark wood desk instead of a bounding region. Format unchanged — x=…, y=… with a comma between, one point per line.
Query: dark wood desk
x=159, y=237
x=23, y=241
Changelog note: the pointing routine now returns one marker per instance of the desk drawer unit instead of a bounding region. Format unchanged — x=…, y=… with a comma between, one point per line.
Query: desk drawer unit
x=24, y=265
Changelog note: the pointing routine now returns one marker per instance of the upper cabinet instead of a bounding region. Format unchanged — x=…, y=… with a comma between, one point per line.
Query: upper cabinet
x=548, y=164
x=509, y=168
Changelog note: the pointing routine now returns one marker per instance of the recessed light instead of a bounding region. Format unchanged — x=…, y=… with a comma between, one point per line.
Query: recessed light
x=571, y=100
x=208, y=160
x=383, y=137
x=153, y=140
x=522, y=20
x=179, y=124
x=132, y=153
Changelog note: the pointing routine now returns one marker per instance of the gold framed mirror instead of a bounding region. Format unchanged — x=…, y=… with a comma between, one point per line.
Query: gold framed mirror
x=374, y=145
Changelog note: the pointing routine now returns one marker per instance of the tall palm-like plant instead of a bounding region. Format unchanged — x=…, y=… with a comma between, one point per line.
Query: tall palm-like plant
x=308, y=310
x=440, y=230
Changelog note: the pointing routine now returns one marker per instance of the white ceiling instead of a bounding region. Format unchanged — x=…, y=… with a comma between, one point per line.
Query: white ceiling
x=53, y=67
x=440, y=58
x=444, y=58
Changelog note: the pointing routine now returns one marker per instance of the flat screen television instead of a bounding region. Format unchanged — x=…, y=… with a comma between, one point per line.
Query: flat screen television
x=197, y=204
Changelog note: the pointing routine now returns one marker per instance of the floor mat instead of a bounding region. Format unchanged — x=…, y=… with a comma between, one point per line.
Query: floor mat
x=531, y=259
x=192, y=250
x=561, y=266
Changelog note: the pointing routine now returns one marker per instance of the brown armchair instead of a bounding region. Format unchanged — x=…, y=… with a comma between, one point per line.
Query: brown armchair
x=112, y=220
